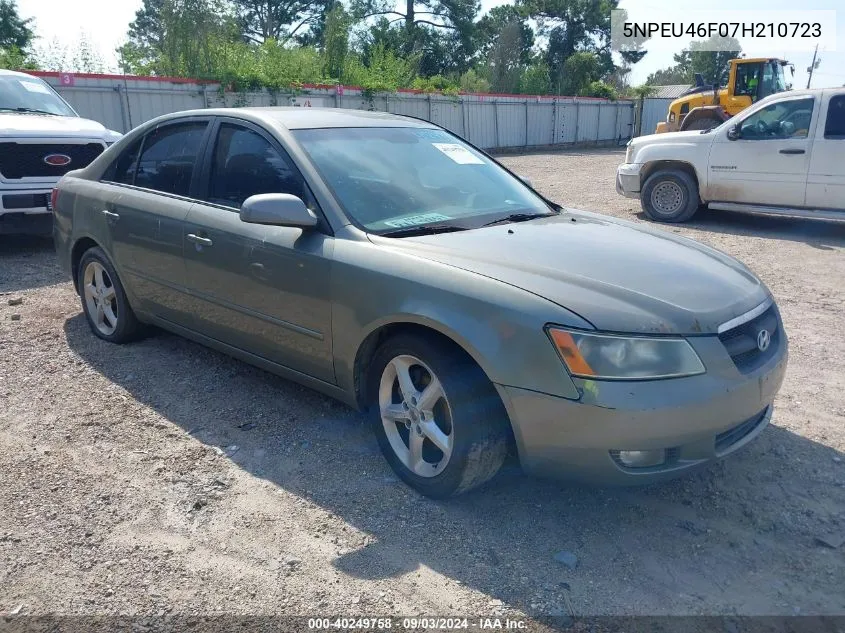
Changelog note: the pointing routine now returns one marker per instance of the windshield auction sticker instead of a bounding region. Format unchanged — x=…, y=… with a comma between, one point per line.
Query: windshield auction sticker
x=459, y=153
x=719, y=30
x=415, y=220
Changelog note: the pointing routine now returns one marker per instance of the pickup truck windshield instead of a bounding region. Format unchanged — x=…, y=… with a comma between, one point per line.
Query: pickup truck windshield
x=30, y=95
x=391, y=179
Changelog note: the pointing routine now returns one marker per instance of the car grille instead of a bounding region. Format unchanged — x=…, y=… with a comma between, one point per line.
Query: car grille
x=26, y=160
x=728, y=438
x=741, y=341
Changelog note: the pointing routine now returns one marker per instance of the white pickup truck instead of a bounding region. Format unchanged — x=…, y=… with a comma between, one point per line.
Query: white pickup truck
x=41, y=139
x=785, y=155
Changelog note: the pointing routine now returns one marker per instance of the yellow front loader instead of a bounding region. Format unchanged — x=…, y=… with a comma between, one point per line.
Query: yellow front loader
x=703, y=106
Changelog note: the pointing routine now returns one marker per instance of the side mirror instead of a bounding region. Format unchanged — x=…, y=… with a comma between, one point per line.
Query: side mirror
x=527, y=181
x=277, y=209
x=734, y=132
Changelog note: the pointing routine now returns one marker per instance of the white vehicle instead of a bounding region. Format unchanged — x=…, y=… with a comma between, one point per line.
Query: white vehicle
x=783, y=156
x=41, y=139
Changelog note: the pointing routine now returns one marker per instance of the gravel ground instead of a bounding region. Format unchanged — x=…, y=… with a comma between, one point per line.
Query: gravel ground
x=164, y=478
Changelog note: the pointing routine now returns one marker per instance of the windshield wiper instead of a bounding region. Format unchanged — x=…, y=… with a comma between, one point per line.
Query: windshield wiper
x=27, y=110
x=518, y=217
x=425, y=229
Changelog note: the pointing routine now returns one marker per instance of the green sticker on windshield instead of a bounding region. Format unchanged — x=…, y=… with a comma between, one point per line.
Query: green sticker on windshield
x=416, y=220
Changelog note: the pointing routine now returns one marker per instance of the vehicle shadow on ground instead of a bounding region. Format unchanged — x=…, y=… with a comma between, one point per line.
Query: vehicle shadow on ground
x=680, y=547
x=23, y=264
x=821, y=234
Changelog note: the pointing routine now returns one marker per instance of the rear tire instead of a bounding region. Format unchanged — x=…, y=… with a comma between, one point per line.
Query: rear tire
x=104, y=301
x=670, y=195
x=438, y=419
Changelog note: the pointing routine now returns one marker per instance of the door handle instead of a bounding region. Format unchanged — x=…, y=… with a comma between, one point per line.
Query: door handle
x=111, y=215
x=196, y=239
x=792, y=151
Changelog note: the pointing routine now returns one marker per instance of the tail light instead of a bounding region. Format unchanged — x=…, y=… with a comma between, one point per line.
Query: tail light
x=54, y=196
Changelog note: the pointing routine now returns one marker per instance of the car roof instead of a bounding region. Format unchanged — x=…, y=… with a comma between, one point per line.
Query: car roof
x=298, y=118
x=14, y=73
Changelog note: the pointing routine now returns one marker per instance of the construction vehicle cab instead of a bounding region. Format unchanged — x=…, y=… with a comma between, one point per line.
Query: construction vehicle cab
x=703, y=106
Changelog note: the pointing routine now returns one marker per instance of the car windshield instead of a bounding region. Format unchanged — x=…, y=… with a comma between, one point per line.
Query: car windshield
x=30, y=94
x=390, y=179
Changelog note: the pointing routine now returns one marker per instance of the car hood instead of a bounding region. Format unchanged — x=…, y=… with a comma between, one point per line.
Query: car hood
x=619, y=276
x=47, y=125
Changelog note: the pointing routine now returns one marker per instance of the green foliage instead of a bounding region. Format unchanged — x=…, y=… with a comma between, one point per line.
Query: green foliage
x=490, y=26
x=280, y=20
x=13, y=59
x=336, y=41
x=384, y=72
x=15, y=33
x=430, y=45
x=437, y=83
x=579, y=71
x=642, y=92
x=535, y=79
x=599, y=89
x=503, y=61
x=713, y=65
x=471, y=81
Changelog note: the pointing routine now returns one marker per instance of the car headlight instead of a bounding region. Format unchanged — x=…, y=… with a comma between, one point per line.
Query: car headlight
x=671, y=117
x=621, y=357
x=629, y=153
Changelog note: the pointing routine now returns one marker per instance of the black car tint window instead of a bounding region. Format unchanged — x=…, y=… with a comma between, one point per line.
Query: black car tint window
x=245, y=164
x=123, y=169
x=168, y=158
x=834, y=127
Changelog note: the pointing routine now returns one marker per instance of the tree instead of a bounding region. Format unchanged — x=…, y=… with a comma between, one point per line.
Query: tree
x=503, y=60
x=579, y=71
x=178, y=37
x=421, y=16
x=86, y=58
x=15, y=33
x=490, y=26
x=535, y=79
x=631, y=50
x=712, y=64
x=577, y=25
x=260, y=20
x=336, y=41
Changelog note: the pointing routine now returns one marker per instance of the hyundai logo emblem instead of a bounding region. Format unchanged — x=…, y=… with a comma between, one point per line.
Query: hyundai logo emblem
x=764, y=339
x=57, y=160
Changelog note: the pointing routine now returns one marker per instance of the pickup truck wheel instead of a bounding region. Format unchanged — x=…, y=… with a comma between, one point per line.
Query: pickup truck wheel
x=670, y=195
x=104, y=300
x=438, y=419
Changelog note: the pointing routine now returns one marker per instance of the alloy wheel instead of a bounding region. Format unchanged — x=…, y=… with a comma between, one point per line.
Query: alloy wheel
x=416, y=416
x=100, y=298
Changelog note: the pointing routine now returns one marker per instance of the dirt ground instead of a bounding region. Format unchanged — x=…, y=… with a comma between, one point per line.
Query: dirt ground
x=164, y=478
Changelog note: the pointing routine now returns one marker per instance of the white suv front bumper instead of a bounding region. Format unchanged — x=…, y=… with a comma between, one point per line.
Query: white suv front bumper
x=628, y=180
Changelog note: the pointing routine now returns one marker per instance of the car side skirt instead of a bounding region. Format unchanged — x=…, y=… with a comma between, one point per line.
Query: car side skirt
x=305, y=380
x=820, y=214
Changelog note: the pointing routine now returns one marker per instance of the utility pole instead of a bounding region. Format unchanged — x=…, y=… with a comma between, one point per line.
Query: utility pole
x=813, y=66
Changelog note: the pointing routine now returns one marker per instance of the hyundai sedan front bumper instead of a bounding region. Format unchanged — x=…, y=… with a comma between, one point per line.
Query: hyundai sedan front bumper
x=687, y=422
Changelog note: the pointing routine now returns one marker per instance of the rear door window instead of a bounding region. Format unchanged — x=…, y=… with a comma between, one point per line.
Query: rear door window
x=169, y=156
x=834, y=127
x=123, y=169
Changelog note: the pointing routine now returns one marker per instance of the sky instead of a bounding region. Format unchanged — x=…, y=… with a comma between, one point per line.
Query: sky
x=65, y=20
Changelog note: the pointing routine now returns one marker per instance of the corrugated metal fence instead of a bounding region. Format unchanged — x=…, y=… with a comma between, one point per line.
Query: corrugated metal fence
x=487, y=121
x=654, y=110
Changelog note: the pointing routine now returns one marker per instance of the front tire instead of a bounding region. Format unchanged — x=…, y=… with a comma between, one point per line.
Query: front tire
x=104, y=301
x=670, y=195
x=438, y=419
